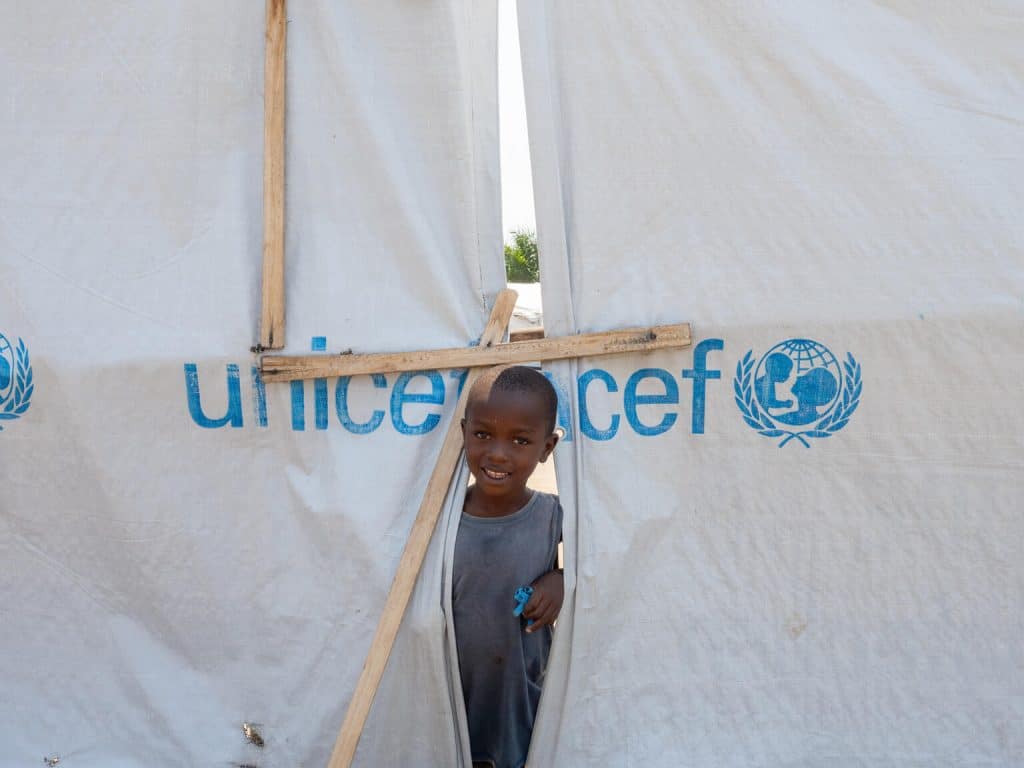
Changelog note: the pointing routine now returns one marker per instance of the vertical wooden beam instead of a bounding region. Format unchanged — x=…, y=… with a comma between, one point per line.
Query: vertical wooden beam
x=272, y=312
x=413, y=554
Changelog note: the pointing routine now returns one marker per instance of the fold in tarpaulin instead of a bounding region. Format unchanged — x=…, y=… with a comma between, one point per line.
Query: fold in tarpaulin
x=799, y=543
x=183, y=547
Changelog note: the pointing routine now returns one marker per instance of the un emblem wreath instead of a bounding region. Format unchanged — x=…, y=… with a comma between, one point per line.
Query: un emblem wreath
x=19, y=396
x=758, y=419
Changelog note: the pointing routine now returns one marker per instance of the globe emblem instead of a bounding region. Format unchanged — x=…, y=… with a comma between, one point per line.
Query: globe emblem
x=797, y=382
x=6, y=368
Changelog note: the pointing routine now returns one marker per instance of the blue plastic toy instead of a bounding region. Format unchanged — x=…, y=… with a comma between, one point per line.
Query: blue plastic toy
x=522, y=597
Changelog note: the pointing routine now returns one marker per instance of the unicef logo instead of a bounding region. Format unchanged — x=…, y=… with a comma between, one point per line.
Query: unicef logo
x=15, y=380
x=797, y=390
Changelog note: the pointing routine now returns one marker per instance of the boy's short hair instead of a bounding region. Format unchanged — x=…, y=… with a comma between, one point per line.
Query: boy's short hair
x=520, y=378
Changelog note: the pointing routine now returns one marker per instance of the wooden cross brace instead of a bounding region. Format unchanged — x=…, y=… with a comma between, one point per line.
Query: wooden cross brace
x=272, y=308
x=291, y=367
x=489, y=352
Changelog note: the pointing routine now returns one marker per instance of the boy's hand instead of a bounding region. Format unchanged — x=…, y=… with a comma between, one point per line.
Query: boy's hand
x=546, y=601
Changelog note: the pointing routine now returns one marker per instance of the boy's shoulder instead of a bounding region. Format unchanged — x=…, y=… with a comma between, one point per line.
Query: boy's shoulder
x=545, y=494
x=549, y=504
x=547, y=499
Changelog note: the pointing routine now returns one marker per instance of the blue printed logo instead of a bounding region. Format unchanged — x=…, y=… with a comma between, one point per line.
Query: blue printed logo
x=797, y=390
x=15, y=380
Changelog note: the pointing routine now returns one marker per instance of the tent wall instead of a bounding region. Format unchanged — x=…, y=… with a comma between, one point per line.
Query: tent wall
x=182, y=547
x=848, y=175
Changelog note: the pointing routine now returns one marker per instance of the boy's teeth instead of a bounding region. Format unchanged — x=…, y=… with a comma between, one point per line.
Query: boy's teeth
x=495, y=475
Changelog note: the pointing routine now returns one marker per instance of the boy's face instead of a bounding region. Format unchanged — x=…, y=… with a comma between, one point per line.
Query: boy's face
x=506, y=436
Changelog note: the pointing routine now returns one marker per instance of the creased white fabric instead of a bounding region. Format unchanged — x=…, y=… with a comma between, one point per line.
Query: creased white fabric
x=166, y=574
x=849, y=175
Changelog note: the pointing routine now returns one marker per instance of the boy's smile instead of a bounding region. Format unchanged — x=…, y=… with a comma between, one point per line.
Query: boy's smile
x=506, y=435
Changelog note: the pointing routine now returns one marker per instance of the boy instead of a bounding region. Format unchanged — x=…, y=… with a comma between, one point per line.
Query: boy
x=508, y=537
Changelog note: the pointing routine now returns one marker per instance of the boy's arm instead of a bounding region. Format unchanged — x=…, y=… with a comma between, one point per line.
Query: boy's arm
x=546, y=601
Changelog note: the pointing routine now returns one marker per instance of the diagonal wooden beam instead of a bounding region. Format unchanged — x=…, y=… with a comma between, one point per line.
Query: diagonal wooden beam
x=272, y=310
x=289, y=367
x=413, y=554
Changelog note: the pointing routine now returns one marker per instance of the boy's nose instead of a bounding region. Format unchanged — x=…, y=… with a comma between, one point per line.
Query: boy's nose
x=497, y=453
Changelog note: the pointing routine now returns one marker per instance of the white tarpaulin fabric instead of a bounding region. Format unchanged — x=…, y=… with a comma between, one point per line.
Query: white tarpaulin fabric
x=184, y=548
x=800, y=543
x=797, y=544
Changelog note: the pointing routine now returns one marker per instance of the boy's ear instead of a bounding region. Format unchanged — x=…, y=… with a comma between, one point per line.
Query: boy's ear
x=462, y=423
x=549, y=446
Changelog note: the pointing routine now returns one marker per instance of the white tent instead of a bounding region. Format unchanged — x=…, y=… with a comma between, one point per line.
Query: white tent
x=798, y=543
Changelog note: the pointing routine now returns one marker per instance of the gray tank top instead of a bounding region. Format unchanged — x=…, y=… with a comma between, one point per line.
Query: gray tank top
x=501, y=666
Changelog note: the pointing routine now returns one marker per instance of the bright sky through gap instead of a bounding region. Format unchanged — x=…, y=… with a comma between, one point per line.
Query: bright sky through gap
x=516, y=181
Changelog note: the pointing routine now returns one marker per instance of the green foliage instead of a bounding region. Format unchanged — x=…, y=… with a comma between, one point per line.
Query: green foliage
x=521, y=264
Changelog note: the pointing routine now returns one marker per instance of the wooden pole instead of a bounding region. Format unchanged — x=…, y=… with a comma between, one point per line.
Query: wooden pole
x=413, y=554
x=289, y=367
x=272, y=311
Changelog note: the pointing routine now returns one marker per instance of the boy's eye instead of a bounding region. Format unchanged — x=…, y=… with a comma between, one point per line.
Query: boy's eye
x=481, y=435
x=521, y=441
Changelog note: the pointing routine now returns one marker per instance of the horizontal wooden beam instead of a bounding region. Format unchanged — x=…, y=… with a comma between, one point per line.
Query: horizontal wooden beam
x=289, y=367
